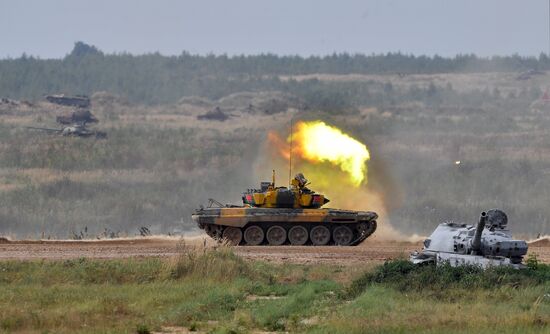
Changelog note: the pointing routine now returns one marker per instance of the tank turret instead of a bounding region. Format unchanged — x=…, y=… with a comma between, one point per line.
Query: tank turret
x=297, y=196
x=489, y=243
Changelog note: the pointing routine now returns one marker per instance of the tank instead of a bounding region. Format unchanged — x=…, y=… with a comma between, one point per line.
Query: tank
x=75, y=130
x=79, y=101
x=487, y=244
x=80, y=116
x=277, y=216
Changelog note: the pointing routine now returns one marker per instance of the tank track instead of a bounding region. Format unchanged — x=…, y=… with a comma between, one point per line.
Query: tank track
x=361, y=231
x=366, y=233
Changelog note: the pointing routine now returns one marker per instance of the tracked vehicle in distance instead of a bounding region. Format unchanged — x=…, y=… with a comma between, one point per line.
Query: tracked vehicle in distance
x=79, y=101
x=279, y=215
x=75, y=130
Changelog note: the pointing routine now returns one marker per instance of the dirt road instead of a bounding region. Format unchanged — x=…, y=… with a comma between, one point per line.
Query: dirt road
x=368, y=252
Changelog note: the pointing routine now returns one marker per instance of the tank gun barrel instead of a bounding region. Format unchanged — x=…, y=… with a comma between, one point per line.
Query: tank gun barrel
x=484, y=244
x=476, y=242
x=43, y=129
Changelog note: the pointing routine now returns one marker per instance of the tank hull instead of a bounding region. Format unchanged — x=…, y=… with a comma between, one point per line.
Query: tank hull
x=73, y=101
x=345, y=227
x=456, y=260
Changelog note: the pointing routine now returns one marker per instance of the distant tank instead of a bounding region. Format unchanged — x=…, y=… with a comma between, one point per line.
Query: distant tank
x=279, y=215
x=214, y=115
x=80, y=101
x=75, y=130
x=80, y=116
x=487, y=244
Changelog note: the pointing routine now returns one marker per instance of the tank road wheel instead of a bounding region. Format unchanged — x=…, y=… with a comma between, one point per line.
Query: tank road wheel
x=342, y=235
x=298, y=235
x=319, y=235
x=253, y=235
x=233, y=235
x=276, y=235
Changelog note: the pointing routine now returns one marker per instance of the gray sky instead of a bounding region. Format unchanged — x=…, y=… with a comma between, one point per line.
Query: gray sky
x=48, y=29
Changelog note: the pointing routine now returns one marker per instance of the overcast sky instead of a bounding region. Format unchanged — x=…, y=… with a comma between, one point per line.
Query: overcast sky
x=48, y=29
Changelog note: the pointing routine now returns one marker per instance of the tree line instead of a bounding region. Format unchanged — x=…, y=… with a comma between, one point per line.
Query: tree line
x=155, y=78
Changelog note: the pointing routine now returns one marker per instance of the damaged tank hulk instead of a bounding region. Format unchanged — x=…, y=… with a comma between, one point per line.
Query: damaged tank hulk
x=279, y=215
x=76, y=130
x=79, y=101
x=79, y=116
x=487, y=244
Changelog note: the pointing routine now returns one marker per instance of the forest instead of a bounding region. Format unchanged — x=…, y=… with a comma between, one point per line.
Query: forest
x=158, y=79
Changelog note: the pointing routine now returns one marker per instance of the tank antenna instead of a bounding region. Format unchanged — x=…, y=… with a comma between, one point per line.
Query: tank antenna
x=290, y=155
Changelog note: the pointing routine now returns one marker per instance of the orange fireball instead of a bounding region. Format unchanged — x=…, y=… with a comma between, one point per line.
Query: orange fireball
x=318, y=142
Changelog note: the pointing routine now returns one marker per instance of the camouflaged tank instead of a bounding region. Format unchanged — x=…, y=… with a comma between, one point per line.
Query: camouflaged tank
x=280, y=215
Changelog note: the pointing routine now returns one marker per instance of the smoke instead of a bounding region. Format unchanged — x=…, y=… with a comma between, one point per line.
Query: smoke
x=329, y=178
x=319, y=142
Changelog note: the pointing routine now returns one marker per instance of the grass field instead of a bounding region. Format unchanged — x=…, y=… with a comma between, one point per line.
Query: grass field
x=160, y=162
x=216, y=291
x=443, y=147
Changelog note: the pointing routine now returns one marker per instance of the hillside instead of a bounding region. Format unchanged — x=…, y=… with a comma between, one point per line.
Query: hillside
x=444, y=146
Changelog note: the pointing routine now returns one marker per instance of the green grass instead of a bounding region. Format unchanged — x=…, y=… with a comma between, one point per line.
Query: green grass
x=404, y=276
x=382, y=309
x=399, y=297
x=216, y=291
x=156, y=167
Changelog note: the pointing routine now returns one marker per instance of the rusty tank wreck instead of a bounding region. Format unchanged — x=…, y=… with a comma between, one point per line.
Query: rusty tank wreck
x=284, y=215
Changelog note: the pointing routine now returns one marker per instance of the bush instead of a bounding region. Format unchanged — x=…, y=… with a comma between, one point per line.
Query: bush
x=405, y=276
x=142, y=329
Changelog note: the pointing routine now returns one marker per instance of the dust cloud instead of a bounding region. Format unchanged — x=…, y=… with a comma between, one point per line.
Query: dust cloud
x=335, y=184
